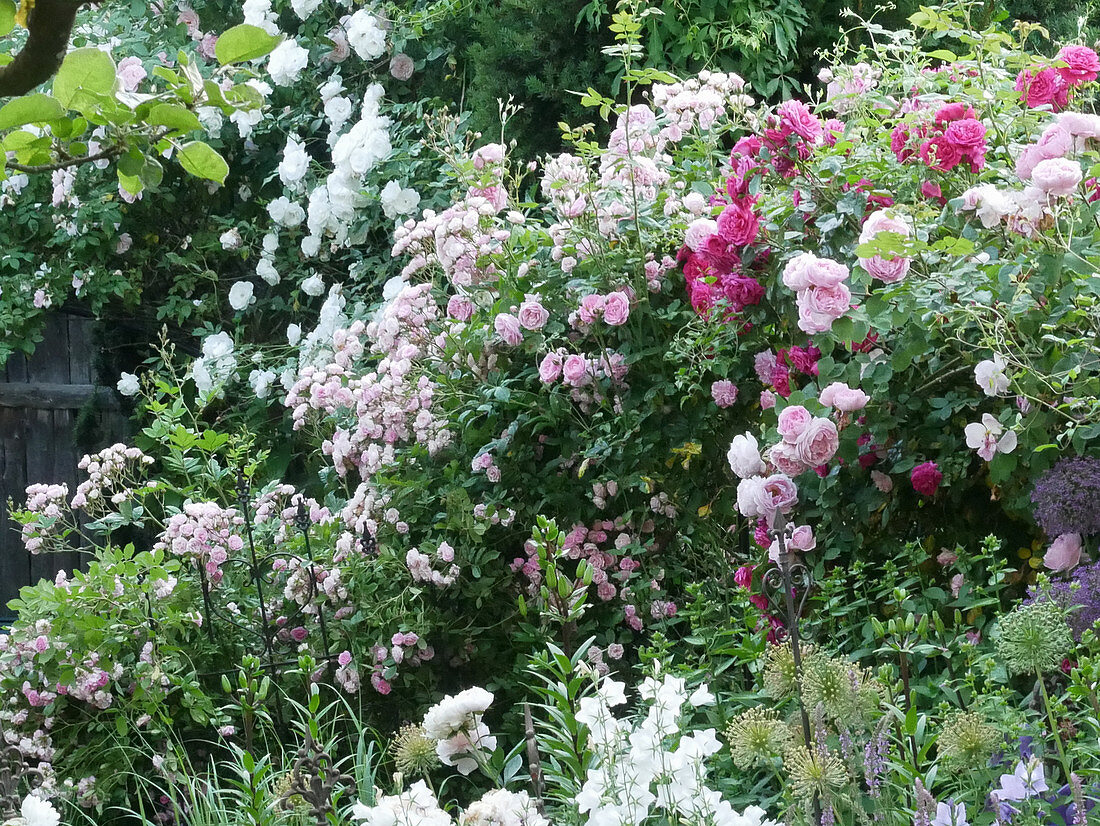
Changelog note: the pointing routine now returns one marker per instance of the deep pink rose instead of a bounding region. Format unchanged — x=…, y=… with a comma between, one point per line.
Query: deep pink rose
x=1038, y=87
x=1082, y=65
x=796, y=116
x=793, y=420
x=616, y=308
x=575, y=370
x=951, y=112
x=507, y=327
x=550, y=368
x=965, y=134
x=926, y=478
x=940, y=154
x=818, y=443
x=738, y=224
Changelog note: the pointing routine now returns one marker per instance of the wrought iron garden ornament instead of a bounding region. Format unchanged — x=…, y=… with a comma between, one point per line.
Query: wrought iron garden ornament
x=15, y=774
x=315, y=779
x=786, y=586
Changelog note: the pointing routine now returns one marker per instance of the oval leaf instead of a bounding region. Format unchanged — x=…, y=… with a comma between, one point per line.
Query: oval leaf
x=86, y=75
x=202, y=161
x=7, y=17
x=175, y=117
x=244, y=42
x=29, y=109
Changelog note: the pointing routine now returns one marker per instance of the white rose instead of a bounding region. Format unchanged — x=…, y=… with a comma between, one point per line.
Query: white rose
x=744, y=456
x=241, y=295
x=128, y=385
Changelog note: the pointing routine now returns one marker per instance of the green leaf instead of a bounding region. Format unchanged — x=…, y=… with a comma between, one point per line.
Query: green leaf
x=29, y=109
x=86, y=75
x=7, y=17
x=943, y=54
x=244, y=42
x=175, y=117
x=202, y=161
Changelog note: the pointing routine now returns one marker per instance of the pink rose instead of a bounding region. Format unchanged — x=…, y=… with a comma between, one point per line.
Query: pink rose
x=767, y=399
x=795, y=115
x=460, y=307
x=778, y=493
x=532, y=314
x=1080, y=124
x=1082, y=65
x=965, y=134
x=738, y=224
x=1057, y=176
x=796, y=273
x=809, y=321
x=843, y=397
x=827, y=273
x=1025, y=163
x=881, y=481
x=786, y=459
x=793, y=420
x=130, y=73
x=550, y=368
x=1038, y=87
x=1055, y=142
x=926, y=478
x=698, y=232
x=888, y=270
x=723, y=392
x=802, y=539
x=507, y=327
x=591, y=307
x=575, y=370
x=818, y=443
x=830, y=301
x=616, y=308
x=1064, y=553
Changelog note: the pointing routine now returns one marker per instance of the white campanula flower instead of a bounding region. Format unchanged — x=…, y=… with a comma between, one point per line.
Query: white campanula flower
x=990, y=376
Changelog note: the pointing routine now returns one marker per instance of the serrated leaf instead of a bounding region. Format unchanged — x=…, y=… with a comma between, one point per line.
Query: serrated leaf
x=244, y=42
x=200, y=160
x=29, y=109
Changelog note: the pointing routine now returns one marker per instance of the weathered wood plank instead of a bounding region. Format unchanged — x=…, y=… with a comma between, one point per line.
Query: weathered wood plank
x=80, y=350
x=50, y=361
x=14, y=565
x=55, y=396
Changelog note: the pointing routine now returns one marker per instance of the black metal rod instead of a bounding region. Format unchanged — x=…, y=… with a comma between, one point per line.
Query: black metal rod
x=303, y=525
x=209, y=621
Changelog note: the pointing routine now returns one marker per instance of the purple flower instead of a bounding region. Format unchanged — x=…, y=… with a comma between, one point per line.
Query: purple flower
x=1028, y=780
x=1065, y=497
x=1080, y=596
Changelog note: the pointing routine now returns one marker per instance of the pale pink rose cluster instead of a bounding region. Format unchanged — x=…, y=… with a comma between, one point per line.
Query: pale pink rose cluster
x=890, y=269
x=484, y=462
x=421, y=570
x=613, y=308
x=843, y=398
x=986, y=437
x=807, y=441
x=577, y=370
x=822, y=295
x=49, y=506
x=758, y=493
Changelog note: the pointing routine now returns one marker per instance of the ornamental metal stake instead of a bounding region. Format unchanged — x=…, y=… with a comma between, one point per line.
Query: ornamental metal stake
x=303, y=525
x=789, y=572
x=14, y=771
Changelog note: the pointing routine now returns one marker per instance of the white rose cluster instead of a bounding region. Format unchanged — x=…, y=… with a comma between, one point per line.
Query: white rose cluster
x=455, y=724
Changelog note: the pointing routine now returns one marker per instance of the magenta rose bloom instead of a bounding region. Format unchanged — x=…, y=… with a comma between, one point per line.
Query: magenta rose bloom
x=818, y=442
x=1082, y=65
x=926, y=478
x=616, y=308
x=793, y=419
x=951, y=112
x=796, y=116
x=1038, y=87
x=965, y=134
x=738, y=224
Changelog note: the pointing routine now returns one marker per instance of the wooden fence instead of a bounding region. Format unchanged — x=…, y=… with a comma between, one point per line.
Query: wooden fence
x=40, y=398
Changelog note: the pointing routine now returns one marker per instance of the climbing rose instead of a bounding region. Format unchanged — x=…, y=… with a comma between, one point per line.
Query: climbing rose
x=926, y=478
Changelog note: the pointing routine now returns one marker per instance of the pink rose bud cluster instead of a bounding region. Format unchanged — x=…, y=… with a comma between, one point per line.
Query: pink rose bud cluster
x=204, y=532
x=421, y=570
x=112, y=476
x=47, y=505
x=576, y=370
x=1050, y=85
x=822, y=295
